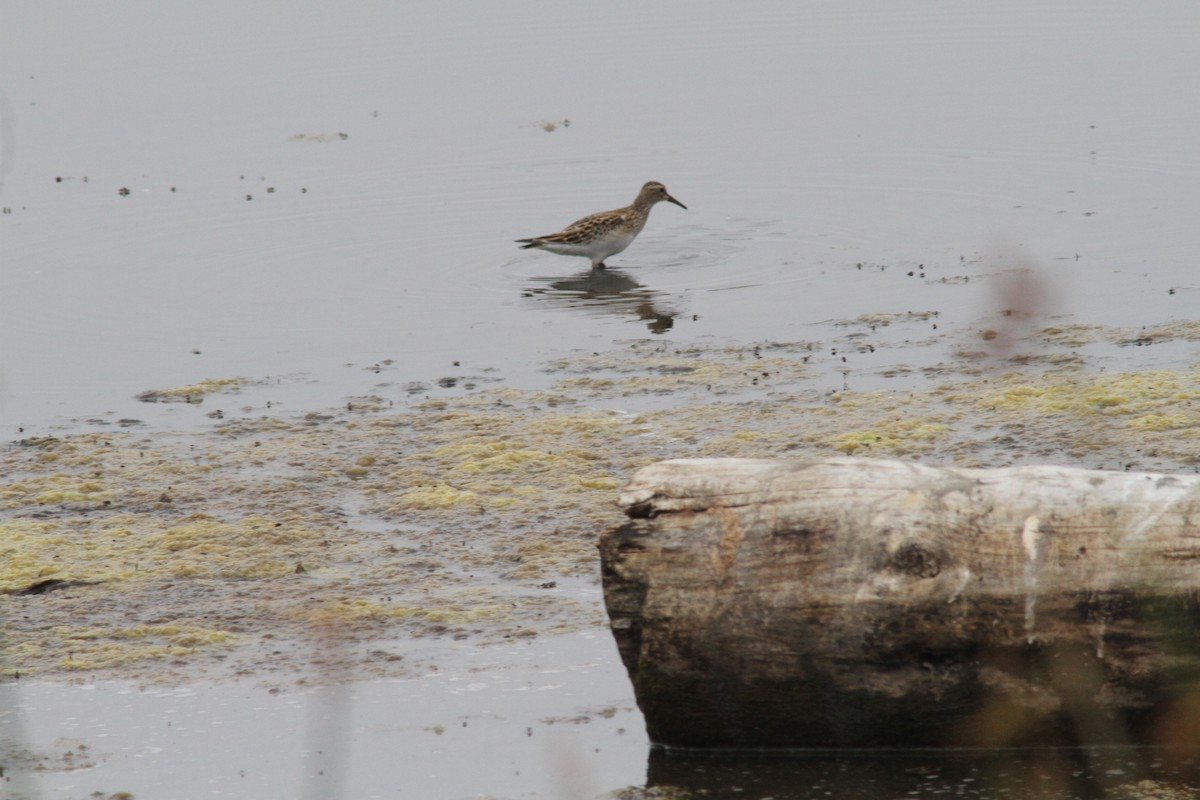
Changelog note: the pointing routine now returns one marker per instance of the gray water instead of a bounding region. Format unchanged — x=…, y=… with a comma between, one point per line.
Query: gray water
x=817, y=146
x=548, y=718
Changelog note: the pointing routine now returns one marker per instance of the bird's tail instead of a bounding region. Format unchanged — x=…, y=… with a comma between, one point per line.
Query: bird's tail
x=526, y=243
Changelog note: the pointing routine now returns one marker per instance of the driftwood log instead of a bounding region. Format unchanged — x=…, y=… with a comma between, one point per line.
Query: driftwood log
x=862, y=603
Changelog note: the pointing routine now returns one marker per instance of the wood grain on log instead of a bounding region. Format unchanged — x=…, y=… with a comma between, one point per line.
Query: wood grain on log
x=853, y=602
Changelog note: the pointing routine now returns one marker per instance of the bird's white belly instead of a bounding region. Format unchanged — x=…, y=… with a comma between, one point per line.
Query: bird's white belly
x=597, y=249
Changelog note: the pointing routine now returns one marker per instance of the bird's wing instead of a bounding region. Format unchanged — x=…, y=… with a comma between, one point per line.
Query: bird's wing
x=590, y=227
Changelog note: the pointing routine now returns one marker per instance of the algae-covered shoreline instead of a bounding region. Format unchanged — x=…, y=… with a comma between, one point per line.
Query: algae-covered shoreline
x=344, y=540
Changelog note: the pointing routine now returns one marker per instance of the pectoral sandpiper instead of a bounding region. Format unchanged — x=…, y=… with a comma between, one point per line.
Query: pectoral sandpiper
x=598, y=236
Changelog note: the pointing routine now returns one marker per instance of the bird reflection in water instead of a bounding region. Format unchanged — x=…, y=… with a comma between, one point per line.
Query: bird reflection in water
x=609, y=292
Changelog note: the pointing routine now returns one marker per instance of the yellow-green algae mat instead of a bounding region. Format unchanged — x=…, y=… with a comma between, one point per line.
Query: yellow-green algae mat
x=273, y=545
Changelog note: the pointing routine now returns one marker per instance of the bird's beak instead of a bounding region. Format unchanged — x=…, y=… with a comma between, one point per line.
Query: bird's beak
x=676, y=202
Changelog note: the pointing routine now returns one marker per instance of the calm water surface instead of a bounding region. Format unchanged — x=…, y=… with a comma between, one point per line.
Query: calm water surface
x=314, y=190
x=824, y=152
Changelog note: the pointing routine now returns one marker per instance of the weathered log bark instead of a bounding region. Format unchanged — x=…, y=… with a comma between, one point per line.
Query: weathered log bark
x=856, y=603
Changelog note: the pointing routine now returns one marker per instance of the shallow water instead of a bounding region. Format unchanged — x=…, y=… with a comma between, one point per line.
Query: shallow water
x=322, y=200
x=545, y=719
x=823, y=153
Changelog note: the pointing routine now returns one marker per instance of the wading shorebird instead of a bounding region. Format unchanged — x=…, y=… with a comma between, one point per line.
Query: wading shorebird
x=598, y=236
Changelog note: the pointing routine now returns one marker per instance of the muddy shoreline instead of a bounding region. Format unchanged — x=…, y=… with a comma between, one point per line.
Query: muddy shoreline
x=366, y=540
